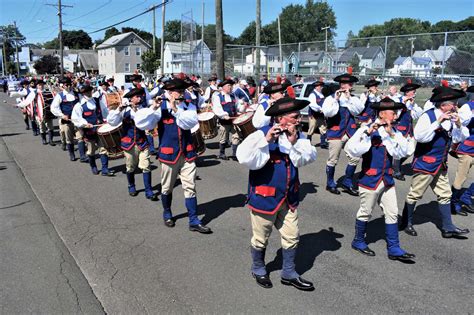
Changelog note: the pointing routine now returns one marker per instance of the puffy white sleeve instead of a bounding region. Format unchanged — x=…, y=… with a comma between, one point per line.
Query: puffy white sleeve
x=415, y=110
x=465, y=114
x=302, y=152
x=28, y=100
x=76, y=116
x=355, y=106
x=186, y=119
x=398, y=146
x=424, y=130
x=147, y=118
x=259, y=119
x=115, y=117
x=217, y=106
x=55, y=108
x=253, y=152
x=313, y=104
x=330, y=107
x=103, y=107
x=207, y=94
x=460, y=134
x=359, y=143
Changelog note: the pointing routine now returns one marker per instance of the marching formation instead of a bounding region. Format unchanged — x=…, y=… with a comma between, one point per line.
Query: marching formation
x=264, y=133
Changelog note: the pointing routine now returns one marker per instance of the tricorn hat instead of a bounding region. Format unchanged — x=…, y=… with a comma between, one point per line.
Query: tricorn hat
x=446, y=94
x=286, y=105
x=133, y=92
x=409, y=87
x=386, y=104
x=226, y=81
x=346, y=78
x=372, y=82
x=85, y=88
x=176, y=85
x=271, y=88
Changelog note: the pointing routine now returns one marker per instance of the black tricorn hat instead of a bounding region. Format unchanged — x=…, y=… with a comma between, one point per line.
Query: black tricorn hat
x=470, y=89
x=104, y=83
x=286, y=105
x=409, y=87
x=317, y=83
x=346, y=78
x=65, y=80
x=275, y=87
x=40, y=81
x=226, y=81
x=85, y=88
x=386, y=104
x=135, y=77
x=110, y=80
x=133, y=92
x=212, y=79
x=446, y=94
x=176, y=85
x=372, y=82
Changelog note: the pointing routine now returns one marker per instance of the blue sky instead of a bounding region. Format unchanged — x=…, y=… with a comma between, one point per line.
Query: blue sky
x=38, y=22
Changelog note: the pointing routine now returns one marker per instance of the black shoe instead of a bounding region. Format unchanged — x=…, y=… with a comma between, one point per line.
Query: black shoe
x=350, y=190
x=399, y=177
x=404, y=257
x=366, y=251
x=51, y=143
x=223, y=157
x=200, y=228
x=454, y=233
x=263, y=281
x=324, y=146
x=467, y=208
x=333, y=190
x=154, y=197
x=460, y=212
x=108, y=173
x=410, y=230
x=133, y=193
x=169, y=223
x=84, y=160
x=63, y=146
x=299, y=283
x=27, y=128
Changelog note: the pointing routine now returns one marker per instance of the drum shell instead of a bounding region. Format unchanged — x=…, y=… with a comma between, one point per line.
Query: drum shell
x=245, y=128
x=110, y=141
x=198, y=141
x=208, y=128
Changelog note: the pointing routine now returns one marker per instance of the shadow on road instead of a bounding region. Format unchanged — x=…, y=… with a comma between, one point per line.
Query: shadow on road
x=307, y=188
x=10, y=134
x=311, y=245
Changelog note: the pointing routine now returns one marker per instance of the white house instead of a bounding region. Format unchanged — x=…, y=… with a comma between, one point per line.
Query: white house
x=188, y=57
x=269, y=62
x=436, y=56
x=417, y=66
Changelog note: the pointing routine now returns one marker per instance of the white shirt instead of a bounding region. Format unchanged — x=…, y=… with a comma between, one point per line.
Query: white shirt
x=425, y=130
x=259, y=118
x=207, y=93
x=254, y=151
x=55, y=105
x=29, y=99
x=398, y=146
x=372, y=98
x=331, y=105
x=465, y=114
x=217, y=106
x=77, y=111
x=415, y=110
x=313, y=104
x=148, y=99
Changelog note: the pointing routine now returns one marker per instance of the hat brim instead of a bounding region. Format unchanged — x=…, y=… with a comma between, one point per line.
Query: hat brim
x=276, y=110
x=409, y=87
x=379, y=106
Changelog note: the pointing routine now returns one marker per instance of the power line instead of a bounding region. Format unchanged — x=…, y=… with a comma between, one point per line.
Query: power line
x=92, y=11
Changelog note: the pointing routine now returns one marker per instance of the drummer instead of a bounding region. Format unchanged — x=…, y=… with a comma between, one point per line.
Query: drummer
x=273, y=92
x=211, y=89
x=225, y=107
x=242, y=94
x=86, y=115
x=101, y=92
x=111, y=88
x=133, y=142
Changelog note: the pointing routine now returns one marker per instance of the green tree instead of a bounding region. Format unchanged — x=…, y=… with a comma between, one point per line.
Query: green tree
x=461, y=62
x=72, y=39
x=47, y=65
x=13, y=37
x=52, y=44
x=111, y=32
x=150, y=61
x=173, y=31
x=354, y=63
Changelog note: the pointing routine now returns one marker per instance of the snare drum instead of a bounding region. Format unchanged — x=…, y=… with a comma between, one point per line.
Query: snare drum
x=109, y=138
x=114, y=100
x=48, y=99
x=208, y=125
x=198, y=140
x=243, y=124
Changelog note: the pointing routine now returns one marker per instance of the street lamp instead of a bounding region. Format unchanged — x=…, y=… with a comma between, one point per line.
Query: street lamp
x=326, y=28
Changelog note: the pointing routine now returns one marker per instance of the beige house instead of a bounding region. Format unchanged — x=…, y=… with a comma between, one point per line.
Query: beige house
x=121, y=54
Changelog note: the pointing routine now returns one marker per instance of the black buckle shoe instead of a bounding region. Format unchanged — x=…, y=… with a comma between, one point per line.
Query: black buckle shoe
x=366, y=251
x=460, y=212
x=153, y=198
x=108, y=173
x=350, y=190
x=399, y=177
x=467, y=208
x=333, y=190
x=410, y=230
x=200, y=228
x=454, y=233
x=223, y=157
x=63, y=146
x=170, y=223
x=299, y=283
x=324, y=146
x=405, y=257
x=263, y=281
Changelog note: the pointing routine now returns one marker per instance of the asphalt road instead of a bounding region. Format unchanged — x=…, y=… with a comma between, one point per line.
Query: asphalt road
x=134, y=264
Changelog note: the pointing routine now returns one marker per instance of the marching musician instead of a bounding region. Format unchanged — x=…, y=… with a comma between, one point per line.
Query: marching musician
x=273, y=92
x=434, y=132
x=146, y=99
x=274, y=154
x=340, y=110
x=377, y=143
x=211, y=89
x=315, y=115
x=242, y=94
x=23, y=93
x=61, y=107
x=87, y=115
x=462, y=202
x=368, y=98
x=112, y=88
x=133, y=141
x=176, y=152
x=411, y=111
x=225, y=106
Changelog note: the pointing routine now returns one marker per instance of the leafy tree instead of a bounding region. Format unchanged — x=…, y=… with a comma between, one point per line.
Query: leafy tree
x=52, y=44
x=150, y=61
x=13, y=37
x=354, y=63
x=72, y=39
x=460, y=62
x=47, y=64
x=111, y=32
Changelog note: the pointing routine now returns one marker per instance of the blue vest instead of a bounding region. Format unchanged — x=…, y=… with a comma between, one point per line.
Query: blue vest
x=405, y=121
x=340, y=124
x=93, y=117
x=242, y=93
x=66, y=106
x=368, y=112
x=189, y=99
x=274, y=183
x=174, y=141
x=131, y=134
x=230, y=108
x=264, y=101
x=376, y=165
x=431, y=156
x=467, y=147
x=320, y=102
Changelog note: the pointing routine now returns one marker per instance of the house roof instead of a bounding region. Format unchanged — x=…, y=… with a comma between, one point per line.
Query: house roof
x=365, y=52
x=436, y=55
x=421, y=61
x=184, y=47
x=400, y=60
x=89, y=60
x=115, y=40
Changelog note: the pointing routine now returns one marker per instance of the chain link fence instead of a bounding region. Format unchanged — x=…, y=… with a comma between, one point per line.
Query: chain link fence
x=428, y=58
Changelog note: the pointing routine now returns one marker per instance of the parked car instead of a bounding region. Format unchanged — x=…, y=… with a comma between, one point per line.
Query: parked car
x=303, y=90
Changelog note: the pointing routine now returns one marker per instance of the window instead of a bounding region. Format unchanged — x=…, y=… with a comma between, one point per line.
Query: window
x=137, y=51
x=127, y=67
x=132, y=40
x=138, y=66
x=127, y=51
x=167, y=65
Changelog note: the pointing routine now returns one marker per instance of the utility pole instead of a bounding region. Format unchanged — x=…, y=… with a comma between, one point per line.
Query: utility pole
x=60, y=15
x=279, y=45
x=154, y=30
x=202, y=40
x=16, y=51
x=258, y=26
x=163, y=11
x=326, y=28
x=219, y=40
